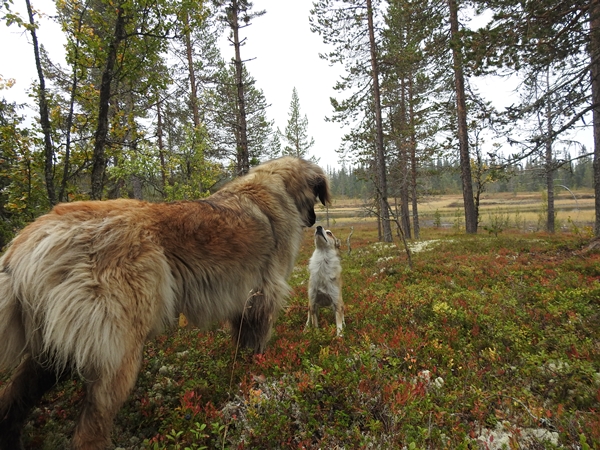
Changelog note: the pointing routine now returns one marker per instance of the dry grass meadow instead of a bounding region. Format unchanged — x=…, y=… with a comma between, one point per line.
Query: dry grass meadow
x=523, y=211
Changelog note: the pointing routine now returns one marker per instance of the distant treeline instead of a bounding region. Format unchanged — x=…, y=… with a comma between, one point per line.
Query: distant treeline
x=442, y=176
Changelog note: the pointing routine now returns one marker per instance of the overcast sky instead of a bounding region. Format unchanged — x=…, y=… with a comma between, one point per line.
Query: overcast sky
x=283, y=54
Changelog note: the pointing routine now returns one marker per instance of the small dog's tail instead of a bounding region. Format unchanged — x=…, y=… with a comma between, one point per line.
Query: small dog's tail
x=12, y=331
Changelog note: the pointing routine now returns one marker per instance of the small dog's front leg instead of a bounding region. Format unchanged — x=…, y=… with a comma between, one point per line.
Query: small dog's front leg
x=312, y=317
x=339, y=319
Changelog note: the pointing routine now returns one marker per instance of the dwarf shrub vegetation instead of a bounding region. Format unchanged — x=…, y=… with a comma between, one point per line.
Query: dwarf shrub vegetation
x=484, y=333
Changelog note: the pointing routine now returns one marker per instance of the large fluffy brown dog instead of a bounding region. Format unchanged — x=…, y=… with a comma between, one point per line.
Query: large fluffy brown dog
x=84, y=286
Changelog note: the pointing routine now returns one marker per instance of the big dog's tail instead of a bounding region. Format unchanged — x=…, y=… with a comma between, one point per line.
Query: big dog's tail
x=12, y=331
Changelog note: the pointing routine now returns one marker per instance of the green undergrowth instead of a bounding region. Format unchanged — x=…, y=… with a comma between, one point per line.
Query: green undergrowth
x=483, y=334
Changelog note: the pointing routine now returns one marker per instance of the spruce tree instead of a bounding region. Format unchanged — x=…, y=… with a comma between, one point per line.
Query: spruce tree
x=297, y=141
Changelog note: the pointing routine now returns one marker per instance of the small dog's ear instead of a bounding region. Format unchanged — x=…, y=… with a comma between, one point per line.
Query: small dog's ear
x=338, y=243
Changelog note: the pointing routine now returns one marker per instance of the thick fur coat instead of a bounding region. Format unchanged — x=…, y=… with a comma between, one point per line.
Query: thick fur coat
x=83, y=287
x=325, y=282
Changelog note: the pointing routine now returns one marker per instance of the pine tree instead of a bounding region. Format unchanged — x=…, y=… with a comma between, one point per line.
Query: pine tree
x=237, y=14
x=350, y=27
x=461, y=112
x=406, y=91
x=222, y=118
x=530, y=37
x=115, y=52
x=274, y=145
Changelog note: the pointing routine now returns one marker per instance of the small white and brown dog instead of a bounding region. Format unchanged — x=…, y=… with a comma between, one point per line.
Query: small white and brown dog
x=325, y=282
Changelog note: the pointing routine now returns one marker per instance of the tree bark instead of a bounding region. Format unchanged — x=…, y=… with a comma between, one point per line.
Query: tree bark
x=380, y=151
x=549, y=163
x=192, y=72
x=403, y=145
x=243, y=158
x=62, y=194
x=69, y=125
x=413, y=159
x=161, y=145
x=99, y=159
x=594, y=12
x=136, y=187
x=44, y=115
x=461, y=110
x=550, y=189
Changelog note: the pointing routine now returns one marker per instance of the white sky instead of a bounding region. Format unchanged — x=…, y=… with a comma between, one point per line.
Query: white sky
x=285, y=52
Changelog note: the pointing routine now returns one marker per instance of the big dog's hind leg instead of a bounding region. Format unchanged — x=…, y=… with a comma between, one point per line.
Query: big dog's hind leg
x=18, y=396
x=104, y=397
x=252, y=327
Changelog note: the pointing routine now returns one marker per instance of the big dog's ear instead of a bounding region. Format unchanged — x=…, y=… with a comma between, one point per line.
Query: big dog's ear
x=321, y=189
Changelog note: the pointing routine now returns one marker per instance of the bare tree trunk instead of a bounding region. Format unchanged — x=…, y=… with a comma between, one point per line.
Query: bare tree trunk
x=44, y=115
x=461, y=110
x=549, y=163
x=62, y=196
x=594, y=12
x=243, y=158
x=161, y=146
x=404, y=194
x=136, y=187
x=404, y=158
x=68, y=126
x=413, y=160
x=379, y=230
x=193, y=87
x=192, y=72
x=381, y=162
x=550, y=188
x=99, y=160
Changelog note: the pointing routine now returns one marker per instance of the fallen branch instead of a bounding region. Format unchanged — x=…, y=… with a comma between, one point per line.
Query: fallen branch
x=348, y=240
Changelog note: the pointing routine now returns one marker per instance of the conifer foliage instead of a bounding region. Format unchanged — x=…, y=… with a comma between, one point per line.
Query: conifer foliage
x=295, y=136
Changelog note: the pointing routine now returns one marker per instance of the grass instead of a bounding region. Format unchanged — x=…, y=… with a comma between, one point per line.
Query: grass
x=487, y=340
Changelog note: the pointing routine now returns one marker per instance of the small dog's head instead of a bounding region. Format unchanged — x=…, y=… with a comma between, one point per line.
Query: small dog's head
x=325, y=239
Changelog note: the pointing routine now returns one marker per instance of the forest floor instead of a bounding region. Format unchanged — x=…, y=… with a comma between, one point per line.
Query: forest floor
x=486, y=342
